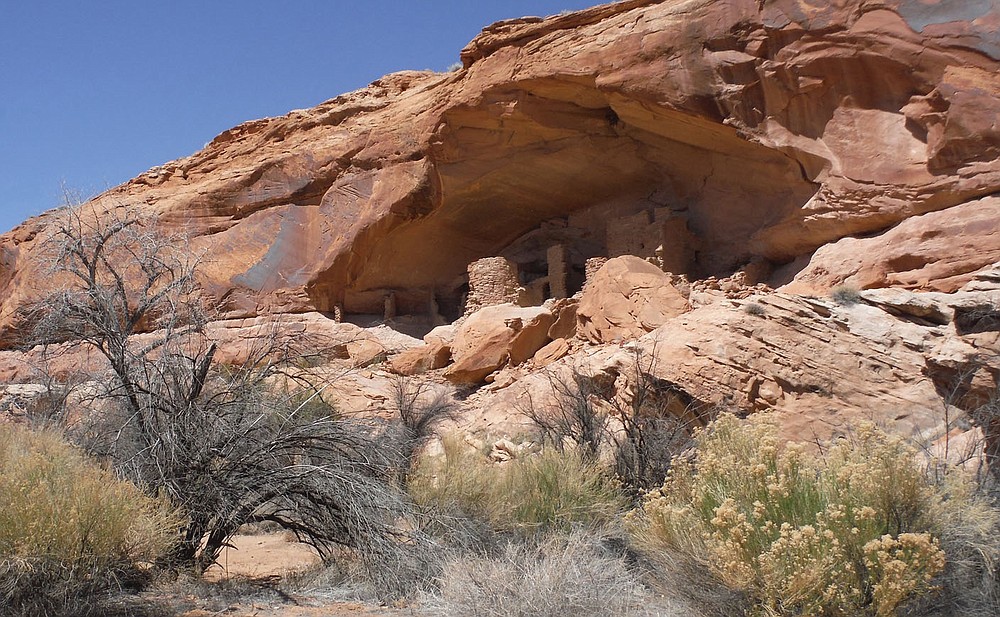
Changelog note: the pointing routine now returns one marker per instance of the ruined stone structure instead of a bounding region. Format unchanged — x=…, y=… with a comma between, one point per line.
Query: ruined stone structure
x=678, y=247
x=593, y=265
x=389, y=311
x=556, y=257
x=492, y=281
x=631, y=235
x=659, y=234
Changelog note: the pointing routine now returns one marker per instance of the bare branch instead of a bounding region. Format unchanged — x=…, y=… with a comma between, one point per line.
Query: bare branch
x=219, y=441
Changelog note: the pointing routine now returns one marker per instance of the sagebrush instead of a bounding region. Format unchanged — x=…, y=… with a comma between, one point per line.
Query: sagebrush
x=69, y=529
x=564, y=574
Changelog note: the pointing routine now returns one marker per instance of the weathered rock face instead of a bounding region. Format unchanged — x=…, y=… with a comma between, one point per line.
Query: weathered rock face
x=626, y=298
x=898, y=359
x=939, y=250
x=740, y=143
x=701, y=133
x=313, y=336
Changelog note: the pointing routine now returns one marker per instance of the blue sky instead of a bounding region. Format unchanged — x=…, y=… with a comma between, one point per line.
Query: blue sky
x=93, y=93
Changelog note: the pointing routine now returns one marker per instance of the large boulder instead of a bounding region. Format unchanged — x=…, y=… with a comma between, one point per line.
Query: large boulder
x=553, y=351
x=494, y=336
x=626, y=298
x=427, y=357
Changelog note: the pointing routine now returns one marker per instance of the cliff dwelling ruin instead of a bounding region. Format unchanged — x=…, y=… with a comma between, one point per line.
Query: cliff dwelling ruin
x=529, y=184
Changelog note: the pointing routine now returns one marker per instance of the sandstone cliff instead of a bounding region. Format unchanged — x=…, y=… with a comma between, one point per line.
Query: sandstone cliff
x=800, y=145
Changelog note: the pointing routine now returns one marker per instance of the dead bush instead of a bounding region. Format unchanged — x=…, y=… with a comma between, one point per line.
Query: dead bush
x=418, y=412
x=642, y=419
x=557, y=575
x=219, y=441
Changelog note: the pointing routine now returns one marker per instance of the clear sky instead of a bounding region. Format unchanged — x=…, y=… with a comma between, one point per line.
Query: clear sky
x=95, y=92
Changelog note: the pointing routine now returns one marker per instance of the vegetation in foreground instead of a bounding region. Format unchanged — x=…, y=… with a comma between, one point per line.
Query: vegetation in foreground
x=556, y=574
x=741, y=524
x=535, y=492
x=859, y=529
x=70, y=531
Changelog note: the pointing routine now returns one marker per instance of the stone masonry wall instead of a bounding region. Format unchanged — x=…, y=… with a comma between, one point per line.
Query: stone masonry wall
x=492, y=281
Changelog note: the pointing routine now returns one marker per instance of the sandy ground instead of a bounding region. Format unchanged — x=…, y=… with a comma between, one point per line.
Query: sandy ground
x=261, y=556
x=336, y=609
x=269, y=556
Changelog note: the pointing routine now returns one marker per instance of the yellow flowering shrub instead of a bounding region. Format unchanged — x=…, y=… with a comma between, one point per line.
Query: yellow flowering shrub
x=846, y=533
x=901, y=566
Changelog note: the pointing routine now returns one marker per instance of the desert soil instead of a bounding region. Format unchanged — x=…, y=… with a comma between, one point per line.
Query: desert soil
x=268, y=556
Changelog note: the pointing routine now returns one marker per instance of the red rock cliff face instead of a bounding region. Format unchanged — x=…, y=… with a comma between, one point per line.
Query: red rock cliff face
x=708, y=134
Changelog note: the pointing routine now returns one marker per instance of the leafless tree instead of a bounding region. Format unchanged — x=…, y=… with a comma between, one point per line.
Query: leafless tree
x=970, y=398
x=419, y=411
x=644, y=420
x=225, y=445
x=579, y=413
x=657, y=418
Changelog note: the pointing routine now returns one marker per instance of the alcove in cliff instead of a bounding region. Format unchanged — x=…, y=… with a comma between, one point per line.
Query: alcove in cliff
x=559, y=169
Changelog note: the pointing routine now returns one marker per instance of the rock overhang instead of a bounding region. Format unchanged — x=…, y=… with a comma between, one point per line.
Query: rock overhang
x=741, y=131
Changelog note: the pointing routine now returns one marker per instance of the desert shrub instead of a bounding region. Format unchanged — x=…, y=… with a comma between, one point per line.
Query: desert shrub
x=851, y=532
x=642, y=425
x=557, y=575
x=559, y=489
x=310, y=405
x=549, y=490
x=967, y=524
x=418, y=412
x=578, y=415
x=987, y=417
x=845, y=295
x=755, y=309
x=219, y=440
x=69, y=529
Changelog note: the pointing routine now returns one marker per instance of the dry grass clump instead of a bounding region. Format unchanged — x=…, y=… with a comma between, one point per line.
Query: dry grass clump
x=68, y=528
x=546, y=490
x=968, y=527
x=853, y=532
x=845, y=295
x=566, y=574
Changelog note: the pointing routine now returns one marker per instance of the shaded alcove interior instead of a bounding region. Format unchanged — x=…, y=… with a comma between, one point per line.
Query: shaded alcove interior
x=538, y=164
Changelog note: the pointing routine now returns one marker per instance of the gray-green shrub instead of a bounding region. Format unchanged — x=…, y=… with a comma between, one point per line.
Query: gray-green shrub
x=845, y=295
x=565, y=574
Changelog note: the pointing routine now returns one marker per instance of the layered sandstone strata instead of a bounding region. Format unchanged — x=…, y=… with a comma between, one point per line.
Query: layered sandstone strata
x=703, y=135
